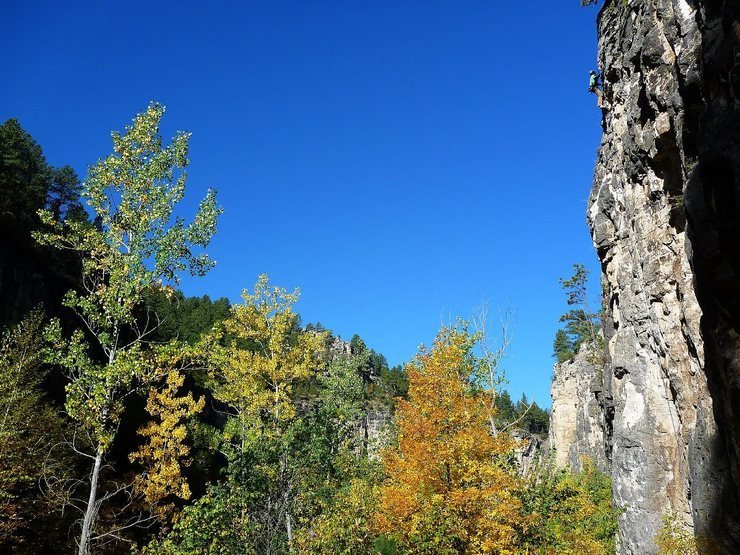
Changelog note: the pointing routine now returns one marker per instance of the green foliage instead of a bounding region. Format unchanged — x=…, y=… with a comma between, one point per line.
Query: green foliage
x=382, y=384
x=384, y=545
x=572, y=513
x=532, y=418
x=28, y=183
x=563, y=347
x=185, y=318
x=216, y=524
x=136, y=245
x=275, y=438
x=290, y=439
x=676, y=538
x=505, y=409
x=30, y=428
x=581, y=325
x=341, y=521
x=394, y=381
x=63, y=195
x=133, y=249
x=523, y=415
x=25, y=176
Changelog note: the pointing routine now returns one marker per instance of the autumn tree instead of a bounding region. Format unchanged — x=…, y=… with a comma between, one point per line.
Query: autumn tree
x=450, y=488
x=260, y=358
x=290, y=435
x=136, y=245
x=165, y=451
x=675, y=537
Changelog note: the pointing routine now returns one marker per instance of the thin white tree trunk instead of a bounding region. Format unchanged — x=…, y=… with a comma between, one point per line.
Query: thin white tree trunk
x=91, y=510
x=289, y=528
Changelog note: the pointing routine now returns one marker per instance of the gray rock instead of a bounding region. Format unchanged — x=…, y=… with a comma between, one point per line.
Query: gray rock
x=577, y=418
x=664, y=214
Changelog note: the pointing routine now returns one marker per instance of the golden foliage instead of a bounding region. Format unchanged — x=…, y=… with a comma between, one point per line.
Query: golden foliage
x=263, y=356
x=165, y=451
x=449, y=489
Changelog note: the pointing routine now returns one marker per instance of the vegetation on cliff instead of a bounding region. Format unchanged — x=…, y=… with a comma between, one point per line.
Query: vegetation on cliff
x=582, y=325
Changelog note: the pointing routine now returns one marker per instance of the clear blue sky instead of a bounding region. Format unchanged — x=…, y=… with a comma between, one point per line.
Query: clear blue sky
x=399, y=161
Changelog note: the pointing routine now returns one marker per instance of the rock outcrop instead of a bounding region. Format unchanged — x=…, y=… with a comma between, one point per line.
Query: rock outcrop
x=665, y=218
x=577, y=418
x=529, y=451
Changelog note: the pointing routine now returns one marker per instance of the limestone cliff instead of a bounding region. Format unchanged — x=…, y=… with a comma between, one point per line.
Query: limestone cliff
x=577, y=418
x=664, y=218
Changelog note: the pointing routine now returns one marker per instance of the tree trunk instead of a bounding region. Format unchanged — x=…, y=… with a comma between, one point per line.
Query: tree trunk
x=91, y=510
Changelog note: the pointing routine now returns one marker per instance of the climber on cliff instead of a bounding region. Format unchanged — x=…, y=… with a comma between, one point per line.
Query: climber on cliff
x=593, y=87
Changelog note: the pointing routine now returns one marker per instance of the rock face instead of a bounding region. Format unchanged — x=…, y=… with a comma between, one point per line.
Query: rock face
x=577, y=419
x=665, y=218
x=375, y=428
x=529, y=451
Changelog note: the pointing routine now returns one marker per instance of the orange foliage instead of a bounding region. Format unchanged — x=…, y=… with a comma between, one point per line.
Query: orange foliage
x=449, y=488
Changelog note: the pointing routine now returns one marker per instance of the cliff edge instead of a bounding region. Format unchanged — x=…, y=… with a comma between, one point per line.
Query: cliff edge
x=663, y=213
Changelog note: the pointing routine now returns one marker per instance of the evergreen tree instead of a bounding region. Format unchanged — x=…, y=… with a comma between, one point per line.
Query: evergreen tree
x=505, y=410
x=563, y=347
x=25, y=177
x=581, y=325
x=63, y=195
x=184, y=318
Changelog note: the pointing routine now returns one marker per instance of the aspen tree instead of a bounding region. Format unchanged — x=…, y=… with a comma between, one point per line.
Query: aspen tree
x=135, y=245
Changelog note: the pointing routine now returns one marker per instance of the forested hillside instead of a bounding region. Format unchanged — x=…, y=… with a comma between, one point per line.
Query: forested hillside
x=138, y=419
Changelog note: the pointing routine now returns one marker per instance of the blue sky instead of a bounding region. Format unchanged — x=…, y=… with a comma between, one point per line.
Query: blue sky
x=400, y=162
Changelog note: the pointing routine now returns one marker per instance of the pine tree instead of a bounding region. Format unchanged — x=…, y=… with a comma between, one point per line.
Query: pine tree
x=562, y=347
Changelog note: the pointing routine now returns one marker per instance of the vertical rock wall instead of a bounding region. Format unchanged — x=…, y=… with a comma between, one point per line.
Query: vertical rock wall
x=577, y=418
x=712, y=193
x=668, y=440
